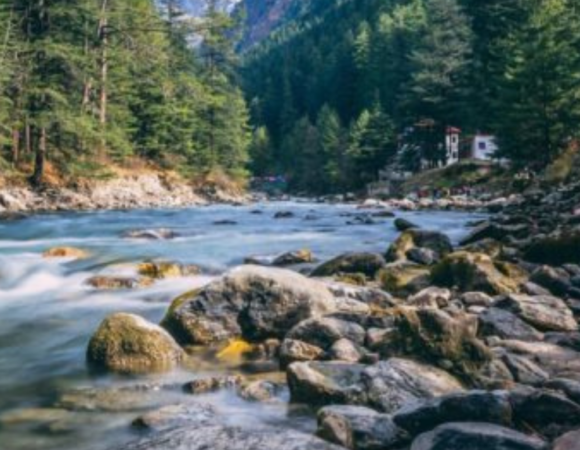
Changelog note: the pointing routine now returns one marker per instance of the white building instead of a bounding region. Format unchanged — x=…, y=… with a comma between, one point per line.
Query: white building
x=452, y=145
x=483, y=147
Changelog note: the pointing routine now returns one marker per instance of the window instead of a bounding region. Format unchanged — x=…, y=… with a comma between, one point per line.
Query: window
x=455, y=139
x=482, y=145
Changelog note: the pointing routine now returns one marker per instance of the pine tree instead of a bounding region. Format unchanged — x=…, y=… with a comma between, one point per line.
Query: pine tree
x=441, y=63
x=372, y=145
x=539, y=101
x=332, y=149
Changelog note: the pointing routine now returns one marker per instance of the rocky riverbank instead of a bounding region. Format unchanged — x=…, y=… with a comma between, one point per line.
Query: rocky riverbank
x=152, y=190
x=426, y=346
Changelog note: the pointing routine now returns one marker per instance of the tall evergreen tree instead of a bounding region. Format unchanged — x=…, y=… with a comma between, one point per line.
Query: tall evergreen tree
x=538, y=107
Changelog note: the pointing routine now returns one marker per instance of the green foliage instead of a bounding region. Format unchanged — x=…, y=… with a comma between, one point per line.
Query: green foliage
x=539, y=87
x=507, y=67
x=85, y=82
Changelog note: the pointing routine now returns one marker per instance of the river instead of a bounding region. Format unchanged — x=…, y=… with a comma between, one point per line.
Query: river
x=48, y=398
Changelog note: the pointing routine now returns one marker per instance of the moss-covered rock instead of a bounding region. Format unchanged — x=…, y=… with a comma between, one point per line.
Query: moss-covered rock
x=302, y=256
x=367, y=264
x=415, y=238
x=127, y=343
x=473, y=272
x=159, y=270
x=436, y=337
x=402, y=278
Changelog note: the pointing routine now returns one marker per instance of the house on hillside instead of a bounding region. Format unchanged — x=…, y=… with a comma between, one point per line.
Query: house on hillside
x=452, y=145
x=483, y=147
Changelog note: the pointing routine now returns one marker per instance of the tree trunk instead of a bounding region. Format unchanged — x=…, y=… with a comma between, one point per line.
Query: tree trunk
x=103, y=34
x=15, y=145
x=27, y=139
x=38, y=176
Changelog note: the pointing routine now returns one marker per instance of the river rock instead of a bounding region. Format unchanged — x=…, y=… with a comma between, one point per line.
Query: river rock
x=431, y=297
x=391, y=384
x=303, y=256
x=358, y=428
x=257, y=303
x=423, y=256
x=153, y=235
x=549, y=412
x=219, y=437
x=345, y=350
x=476, y=299
x=212, y=384
x=570, y=388
x=66, y=252
x=117, y=283
x=127, y=343
x=557, y=281
x=324, y=383
x=568, y=441
x=298, y=351
x=367, y=264
x=476, y=436
x=160, y=270
x=524, y=370
x=473, y=406
x=368, y=295
x=404, y=278
x=174, y=416
x=404, y=224
x=440, y=338
x=506, y=325
x=543, y=312
x=559, y=362
x=259, y=391
x=473, y=272
x=414, y=238
x=560, y=248
x=323, y=332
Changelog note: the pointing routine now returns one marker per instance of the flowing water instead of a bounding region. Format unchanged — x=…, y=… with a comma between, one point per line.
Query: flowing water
x=49, y=399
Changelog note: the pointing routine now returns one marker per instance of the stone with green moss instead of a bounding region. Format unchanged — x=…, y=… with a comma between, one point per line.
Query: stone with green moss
x=126, y=343
x=403, y=278
x=437, y=242
x=476, y=272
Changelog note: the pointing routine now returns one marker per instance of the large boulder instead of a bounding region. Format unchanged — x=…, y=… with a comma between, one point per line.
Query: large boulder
x=473, y=406
x=569, y=441
x=257, y=303
x=358, y=428
x=416, y=238
x=386, y=386
x=367, y=264
x=476, y=436
x=543, y=312
x=473, y=272
x=129, y=344
x=439, y=338
x=391, y=384
x=219, y=437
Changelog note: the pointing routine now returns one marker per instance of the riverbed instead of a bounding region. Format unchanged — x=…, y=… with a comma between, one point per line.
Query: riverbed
x=48, y=397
